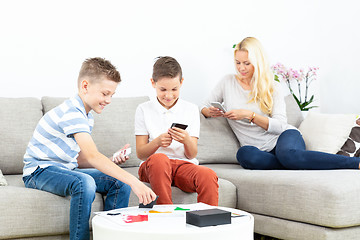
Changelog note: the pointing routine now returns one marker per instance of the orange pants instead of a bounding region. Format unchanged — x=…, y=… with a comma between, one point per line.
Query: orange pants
x=162, y=173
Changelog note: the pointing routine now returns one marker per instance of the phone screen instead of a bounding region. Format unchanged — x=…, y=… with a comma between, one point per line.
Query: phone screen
x=179, y=125
x=219, y=106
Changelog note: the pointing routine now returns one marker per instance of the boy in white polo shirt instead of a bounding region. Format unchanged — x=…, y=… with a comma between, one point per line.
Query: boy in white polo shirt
x=169, y=153
x=62, y=157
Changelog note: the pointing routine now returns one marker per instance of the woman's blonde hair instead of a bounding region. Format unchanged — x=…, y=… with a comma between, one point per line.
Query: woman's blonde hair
x=263, y=79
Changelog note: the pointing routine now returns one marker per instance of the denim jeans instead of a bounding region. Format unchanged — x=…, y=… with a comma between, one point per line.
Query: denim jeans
x=290, y=153
x=81, y=185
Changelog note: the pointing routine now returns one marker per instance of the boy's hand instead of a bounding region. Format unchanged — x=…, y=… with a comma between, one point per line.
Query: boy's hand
x=119, y=159
x=179, y=134
x=164, y=140
x=144, y=193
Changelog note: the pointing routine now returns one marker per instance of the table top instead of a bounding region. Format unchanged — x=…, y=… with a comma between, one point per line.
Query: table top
x=168, y=219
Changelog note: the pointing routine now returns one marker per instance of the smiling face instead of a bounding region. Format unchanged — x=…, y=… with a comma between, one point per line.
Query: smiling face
x=167, y=90
x=96, y=95
x=243, y=65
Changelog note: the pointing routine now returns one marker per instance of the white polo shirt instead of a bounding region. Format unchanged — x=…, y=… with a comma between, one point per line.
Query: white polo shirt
x=152, y=119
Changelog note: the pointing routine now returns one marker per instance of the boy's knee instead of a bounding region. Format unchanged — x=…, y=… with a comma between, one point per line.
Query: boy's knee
x=84, y=184
x=207, y=175
x=158, y=160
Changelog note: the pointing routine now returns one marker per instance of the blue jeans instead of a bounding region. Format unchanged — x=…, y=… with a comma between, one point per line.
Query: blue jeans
x=81, y=185
x=290, y=153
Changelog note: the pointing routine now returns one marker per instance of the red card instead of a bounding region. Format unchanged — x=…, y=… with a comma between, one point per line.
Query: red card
x=135, y=218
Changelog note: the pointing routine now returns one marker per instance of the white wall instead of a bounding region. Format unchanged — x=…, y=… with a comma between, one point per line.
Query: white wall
x=43, y=43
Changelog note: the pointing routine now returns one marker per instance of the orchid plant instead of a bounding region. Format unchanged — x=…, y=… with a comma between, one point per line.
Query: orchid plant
x=291, y=75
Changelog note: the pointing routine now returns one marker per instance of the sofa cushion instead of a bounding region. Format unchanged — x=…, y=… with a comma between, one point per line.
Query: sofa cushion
x=227, y=193
x=293, y=113
x=18, y=120
x=34, y=212
x=114, y=127
x=351, y=146
x=326, y=197
x=217, y=142
x=326, y=132
x=2, y=179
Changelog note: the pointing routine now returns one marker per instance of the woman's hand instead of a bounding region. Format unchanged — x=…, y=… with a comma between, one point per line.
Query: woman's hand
x=215, y=112
x=238, y=114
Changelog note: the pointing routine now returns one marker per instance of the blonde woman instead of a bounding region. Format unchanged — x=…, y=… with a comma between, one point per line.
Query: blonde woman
x=256, y=112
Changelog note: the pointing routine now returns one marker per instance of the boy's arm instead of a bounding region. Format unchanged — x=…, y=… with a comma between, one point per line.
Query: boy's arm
x=191, y=148
x=89, y=156
x=145, y=149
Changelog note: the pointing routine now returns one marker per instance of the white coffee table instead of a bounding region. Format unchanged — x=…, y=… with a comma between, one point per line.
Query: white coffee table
x=165, y=226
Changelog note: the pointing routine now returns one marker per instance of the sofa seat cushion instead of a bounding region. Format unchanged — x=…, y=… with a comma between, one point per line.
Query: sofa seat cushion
x=327, y=198
x=3, y=181
x=30, y=212
x=227, y=193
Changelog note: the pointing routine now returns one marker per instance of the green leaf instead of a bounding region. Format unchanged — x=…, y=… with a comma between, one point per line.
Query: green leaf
x=276, y=78
x=297, y=100
x=234, y=45
x=312, y=98
x=304, y=104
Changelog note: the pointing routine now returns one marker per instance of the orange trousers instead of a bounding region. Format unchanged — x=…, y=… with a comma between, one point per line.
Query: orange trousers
x=162, y=173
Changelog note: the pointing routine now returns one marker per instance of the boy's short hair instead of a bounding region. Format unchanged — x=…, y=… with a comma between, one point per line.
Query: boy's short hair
x=166, y=67
x=95, y=68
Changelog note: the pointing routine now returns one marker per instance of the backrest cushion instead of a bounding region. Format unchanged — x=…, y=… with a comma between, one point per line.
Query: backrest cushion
x=217, y=142
x=114, y=127
x=293, y=113
x=351, y=146
x=18, y=119
x=326, y=132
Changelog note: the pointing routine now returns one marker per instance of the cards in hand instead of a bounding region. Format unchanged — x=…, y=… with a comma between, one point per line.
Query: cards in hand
x=149, y=205
x=179, y=125
x=125, y=152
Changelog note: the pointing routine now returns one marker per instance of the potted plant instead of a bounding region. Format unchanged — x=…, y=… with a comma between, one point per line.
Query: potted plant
x=301, y=77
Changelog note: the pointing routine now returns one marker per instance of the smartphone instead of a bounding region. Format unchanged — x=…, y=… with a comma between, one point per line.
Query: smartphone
x=125, y=151
x=219, y=106
x=178, y=125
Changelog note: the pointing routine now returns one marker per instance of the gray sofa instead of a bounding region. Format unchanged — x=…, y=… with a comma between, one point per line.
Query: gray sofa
x=285, y=204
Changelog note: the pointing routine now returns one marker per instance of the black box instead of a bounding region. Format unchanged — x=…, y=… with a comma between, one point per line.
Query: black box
x=208, y=217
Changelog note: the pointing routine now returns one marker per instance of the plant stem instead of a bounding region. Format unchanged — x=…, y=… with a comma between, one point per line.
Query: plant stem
x=299, y=87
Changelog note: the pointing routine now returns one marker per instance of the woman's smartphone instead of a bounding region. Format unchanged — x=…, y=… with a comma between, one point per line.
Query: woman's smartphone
x=219, y=106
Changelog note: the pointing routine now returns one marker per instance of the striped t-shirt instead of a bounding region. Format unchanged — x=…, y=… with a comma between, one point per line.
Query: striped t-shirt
x=53, y=143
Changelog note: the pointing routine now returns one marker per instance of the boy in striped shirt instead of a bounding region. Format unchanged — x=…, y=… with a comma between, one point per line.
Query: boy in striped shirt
x=62, y=157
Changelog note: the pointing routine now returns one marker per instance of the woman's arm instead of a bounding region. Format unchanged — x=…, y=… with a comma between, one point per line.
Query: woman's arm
x=243, y=114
